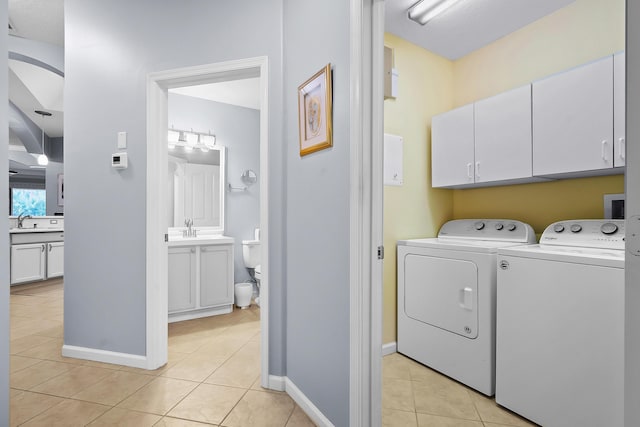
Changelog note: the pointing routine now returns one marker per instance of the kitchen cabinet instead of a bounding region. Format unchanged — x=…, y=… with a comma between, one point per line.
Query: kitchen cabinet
x=573, y=121
x=28, y=262
x=619, y=109
x=182, y=278
x=485, y=142
x=200, y=278
x=216, y=275
x=502, y=126
x=55, y=259
x=452, y=148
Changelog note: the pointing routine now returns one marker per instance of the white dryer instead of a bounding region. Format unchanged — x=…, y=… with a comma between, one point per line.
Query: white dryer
x=560, y=326
x=446, y=297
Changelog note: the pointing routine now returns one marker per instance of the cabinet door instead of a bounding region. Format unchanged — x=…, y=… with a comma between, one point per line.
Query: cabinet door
x=573, y=120
x=27, y=262
x=55, y=259
x=452, y=143
x=216, y=275
x=619, y=108
x=503, y=136
x=182, y=279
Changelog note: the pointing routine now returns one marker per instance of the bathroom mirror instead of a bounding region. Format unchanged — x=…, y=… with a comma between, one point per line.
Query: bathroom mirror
x=249, y=177
x=196, y=187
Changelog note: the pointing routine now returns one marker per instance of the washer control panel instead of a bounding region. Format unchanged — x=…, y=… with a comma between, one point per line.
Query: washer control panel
x=591, y=233
x=507, y=230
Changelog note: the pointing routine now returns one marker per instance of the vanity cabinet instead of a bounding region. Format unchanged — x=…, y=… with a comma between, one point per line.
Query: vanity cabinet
x=200, y=279
x=182, y=278
x=28, y=262
x=573, y=120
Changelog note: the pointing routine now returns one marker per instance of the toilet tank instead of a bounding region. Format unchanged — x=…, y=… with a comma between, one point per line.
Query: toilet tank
x=251, y=253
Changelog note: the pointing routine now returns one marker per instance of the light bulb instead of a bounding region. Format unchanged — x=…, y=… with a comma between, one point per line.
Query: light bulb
x=43, y=160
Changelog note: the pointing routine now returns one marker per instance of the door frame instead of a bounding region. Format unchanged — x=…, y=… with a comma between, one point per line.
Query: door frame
x=158, y=84
x=366, y=211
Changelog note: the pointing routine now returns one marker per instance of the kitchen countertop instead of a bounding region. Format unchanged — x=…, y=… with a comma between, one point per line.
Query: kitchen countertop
x=35, y=230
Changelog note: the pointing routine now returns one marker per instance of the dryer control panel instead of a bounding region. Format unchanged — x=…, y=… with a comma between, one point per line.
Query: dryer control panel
x=503, y=230
x=588, y=233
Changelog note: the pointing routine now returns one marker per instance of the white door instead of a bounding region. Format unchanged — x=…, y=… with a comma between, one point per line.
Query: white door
x=503, y=136
x=573, y=120
x=55, y=259
x=182, y=278
x=452, y=143
x=442, y=292
x=27, y=262
x=216, y=275
x=619, y=109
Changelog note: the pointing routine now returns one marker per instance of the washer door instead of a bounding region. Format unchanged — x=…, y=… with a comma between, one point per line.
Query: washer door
x=443, y=293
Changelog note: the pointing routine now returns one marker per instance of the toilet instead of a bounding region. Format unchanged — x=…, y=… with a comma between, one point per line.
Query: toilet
x=251, y=257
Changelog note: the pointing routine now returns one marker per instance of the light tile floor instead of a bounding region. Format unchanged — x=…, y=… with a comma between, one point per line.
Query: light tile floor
x=212, y=377
x=416, y=396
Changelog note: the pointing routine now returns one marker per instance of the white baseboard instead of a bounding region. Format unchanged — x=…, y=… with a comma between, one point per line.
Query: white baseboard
x=389, y=348
x=104, y=356
x=306, y=405
x=277, y=383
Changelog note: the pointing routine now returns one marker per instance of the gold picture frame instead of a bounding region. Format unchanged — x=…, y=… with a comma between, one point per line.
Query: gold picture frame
x=315, y=112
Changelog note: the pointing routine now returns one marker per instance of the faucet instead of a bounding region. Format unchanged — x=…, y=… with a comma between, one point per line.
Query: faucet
x=21, y=219
x=189, y=232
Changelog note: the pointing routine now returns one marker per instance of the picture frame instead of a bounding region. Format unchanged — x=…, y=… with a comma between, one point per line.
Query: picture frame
x=60, y=189
x=315, y=112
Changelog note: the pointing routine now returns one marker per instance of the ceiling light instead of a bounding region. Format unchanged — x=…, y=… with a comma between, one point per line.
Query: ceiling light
x=42, y=158
x=192, y=139
x=208, y=140
x=425, y=10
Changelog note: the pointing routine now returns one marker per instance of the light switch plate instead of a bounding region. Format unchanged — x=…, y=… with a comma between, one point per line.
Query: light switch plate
x=122, y=140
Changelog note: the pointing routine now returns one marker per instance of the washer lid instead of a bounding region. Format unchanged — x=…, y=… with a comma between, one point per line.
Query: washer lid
x=483, y=246
x=570, y=254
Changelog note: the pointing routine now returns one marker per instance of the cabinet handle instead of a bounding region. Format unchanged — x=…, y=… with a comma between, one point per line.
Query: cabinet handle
x=604, y=150
x=42, y=248
x=621, y=145
x=50, y=247
x=477, y=169
x=469, y=170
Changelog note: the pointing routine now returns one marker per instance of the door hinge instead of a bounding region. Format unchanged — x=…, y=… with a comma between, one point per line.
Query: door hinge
x=380, y=252
x=166, y=237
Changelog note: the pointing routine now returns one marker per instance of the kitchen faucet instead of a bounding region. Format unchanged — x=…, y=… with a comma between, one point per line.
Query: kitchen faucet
x=21, y=219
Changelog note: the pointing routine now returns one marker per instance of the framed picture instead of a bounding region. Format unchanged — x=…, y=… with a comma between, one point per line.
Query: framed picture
x=314, y=112
x=60, y=189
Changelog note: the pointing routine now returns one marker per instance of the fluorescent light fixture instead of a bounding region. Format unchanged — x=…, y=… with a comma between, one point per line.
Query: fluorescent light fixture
x=425, y=10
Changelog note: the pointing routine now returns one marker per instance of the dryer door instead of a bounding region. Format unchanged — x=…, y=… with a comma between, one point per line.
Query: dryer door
x=442, y=292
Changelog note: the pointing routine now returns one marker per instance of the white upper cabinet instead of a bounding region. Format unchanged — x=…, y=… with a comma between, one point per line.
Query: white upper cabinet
x=503, y=136
x=452, y=148
x=619, y=108
x=573, y=120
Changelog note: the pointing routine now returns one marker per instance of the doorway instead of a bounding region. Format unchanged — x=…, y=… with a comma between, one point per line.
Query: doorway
x=158, y=85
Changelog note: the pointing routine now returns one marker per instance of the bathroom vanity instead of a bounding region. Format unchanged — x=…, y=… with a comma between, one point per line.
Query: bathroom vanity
x=200, y=276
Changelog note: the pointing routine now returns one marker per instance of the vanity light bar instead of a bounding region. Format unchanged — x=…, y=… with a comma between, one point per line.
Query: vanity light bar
x=190, y=140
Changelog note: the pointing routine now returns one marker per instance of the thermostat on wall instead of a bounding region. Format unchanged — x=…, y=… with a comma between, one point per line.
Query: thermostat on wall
x=119, y=160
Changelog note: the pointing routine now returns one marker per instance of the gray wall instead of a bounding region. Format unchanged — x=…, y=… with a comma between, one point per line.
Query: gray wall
x=632, y=190
x=238, y=129
x=51, y=181
x=110, y=49
x=318, y=212
x=4, y=224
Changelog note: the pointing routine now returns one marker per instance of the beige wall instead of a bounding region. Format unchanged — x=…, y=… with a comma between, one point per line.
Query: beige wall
x=414, y=209
x=581, y=32
x=429, y=84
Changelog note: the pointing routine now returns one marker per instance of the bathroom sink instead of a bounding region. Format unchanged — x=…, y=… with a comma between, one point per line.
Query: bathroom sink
x=35, y=230
x=209, y=239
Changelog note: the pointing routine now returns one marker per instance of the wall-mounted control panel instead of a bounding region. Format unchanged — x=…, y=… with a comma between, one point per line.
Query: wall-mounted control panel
x=119, y=160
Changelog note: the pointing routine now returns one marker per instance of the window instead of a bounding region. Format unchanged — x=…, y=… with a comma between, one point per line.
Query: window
x=28, y=201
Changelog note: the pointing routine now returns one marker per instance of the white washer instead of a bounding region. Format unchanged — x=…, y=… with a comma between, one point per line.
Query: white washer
x=446, y=297
x=560, y=326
